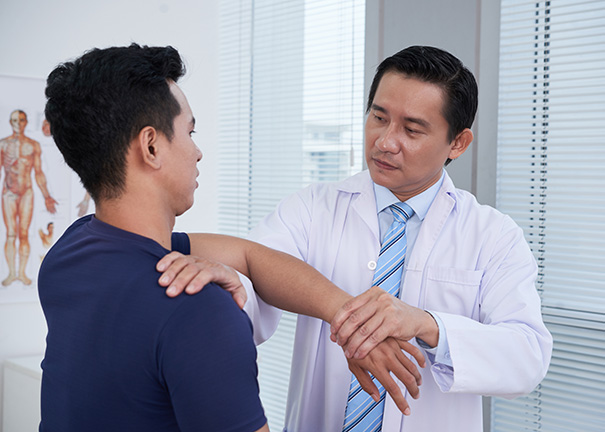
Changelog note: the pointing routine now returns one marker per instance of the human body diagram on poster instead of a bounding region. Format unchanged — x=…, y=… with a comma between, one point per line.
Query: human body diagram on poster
x=41, y=196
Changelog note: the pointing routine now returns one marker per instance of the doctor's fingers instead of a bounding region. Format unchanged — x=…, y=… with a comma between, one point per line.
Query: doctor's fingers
x=378, y=328
x=364, y=338
x=374, y=322
x=354, y=313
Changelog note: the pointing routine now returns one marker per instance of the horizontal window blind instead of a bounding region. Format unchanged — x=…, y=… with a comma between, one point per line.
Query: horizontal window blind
x=551, y=179
x=290, y=114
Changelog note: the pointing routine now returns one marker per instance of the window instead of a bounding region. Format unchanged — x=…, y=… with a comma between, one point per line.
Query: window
x=551, y=180
x=290, y=114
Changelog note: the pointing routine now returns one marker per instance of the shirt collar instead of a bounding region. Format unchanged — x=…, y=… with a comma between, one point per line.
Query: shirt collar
x=420, y=203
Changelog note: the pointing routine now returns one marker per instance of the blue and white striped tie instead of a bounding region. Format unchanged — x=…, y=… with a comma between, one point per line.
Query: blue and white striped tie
x=363, y=413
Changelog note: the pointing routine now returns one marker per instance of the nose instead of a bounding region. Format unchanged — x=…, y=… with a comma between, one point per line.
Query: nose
x=199, y=154
x=388, y=141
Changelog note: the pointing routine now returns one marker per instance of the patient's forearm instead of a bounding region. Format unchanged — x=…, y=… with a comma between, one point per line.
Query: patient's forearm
x=280, y=279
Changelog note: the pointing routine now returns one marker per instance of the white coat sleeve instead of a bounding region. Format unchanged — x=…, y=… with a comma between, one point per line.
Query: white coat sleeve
x=506, y=351
x=264, y=317
x=280, y=230
x=286, y=228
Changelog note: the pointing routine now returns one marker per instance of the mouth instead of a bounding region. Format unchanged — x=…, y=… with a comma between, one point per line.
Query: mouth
x=383, y=164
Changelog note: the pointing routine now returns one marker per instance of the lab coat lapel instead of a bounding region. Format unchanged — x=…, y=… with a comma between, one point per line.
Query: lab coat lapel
x=364, y=203
x=441, y=208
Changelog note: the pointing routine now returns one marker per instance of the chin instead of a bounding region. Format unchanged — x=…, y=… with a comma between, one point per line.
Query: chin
x=381, y=177
x=184, y=209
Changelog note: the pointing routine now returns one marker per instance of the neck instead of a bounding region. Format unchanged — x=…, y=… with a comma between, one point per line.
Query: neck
x=403, y=196
x=142, y=218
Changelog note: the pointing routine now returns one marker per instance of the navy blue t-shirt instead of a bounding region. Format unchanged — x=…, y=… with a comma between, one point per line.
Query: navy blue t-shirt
x=122, y=356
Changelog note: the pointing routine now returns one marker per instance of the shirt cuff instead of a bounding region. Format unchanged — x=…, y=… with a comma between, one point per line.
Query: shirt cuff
x=441, y=353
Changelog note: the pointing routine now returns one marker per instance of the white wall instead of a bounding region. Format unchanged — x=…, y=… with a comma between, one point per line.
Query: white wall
x=36, y=35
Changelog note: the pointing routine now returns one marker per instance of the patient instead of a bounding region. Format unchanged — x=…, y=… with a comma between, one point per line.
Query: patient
x=121, y=356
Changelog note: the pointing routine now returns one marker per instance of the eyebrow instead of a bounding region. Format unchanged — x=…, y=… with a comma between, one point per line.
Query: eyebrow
x=192, y=121
x=416, y=120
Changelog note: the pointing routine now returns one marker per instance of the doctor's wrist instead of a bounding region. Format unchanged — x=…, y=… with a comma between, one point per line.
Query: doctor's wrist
x=429, y=330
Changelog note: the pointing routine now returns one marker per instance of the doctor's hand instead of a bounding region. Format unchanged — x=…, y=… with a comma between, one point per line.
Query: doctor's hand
x=368, y=319
x=190, y=274
x=385, y=359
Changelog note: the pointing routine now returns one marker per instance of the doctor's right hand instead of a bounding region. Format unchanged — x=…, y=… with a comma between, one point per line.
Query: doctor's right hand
x=386, y=358
x=371, y=317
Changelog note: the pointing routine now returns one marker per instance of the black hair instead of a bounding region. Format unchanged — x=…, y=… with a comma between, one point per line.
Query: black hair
x=99, y=102
x=436, y=66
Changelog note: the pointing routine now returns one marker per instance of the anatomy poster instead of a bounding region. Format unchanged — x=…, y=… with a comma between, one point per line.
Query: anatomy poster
x=41, y=196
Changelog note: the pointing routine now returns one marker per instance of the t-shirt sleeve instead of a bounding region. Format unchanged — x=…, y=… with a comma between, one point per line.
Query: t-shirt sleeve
x=180, y=243
x=207, y=361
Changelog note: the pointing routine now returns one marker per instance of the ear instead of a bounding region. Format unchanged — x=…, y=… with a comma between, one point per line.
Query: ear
x=461, y=143
x=148, y=146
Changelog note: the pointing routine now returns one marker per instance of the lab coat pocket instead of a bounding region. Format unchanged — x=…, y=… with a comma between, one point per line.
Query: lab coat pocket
x=453, y=290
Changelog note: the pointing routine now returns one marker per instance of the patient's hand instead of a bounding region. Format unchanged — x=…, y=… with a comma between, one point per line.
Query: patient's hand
x=190, y=274
x=385, y=358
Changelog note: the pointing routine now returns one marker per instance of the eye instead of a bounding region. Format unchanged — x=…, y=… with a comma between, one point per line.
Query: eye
x=379, y=118
x=192, y=132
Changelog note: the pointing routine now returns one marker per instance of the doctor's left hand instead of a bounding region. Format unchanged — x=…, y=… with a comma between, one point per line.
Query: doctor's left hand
x=190, y=274
x=368, y=319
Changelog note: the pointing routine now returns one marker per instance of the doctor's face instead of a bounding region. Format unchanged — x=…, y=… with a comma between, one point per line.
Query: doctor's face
x=407, y=135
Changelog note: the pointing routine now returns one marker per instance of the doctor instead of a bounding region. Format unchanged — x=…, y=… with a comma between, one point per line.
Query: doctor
x=467, y=294
x=467, y=264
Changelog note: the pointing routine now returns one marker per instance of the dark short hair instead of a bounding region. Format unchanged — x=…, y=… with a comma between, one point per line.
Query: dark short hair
x=436, y=66
x=99, y=102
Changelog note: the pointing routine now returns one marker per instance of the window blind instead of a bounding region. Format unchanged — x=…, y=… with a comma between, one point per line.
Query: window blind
x=290, y=114
x=551, y=178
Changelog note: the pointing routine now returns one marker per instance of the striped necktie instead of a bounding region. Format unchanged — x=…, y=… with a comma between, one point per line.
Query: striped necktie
x=363, y=413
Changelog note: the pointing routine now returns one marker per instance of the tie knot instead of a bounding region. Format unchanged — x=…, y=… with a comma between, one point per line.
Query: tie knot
x=401, y=211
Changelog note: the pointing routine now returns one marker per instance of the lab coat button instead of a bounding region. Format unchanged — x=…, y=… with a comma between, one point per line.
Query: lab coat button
x=372, y=265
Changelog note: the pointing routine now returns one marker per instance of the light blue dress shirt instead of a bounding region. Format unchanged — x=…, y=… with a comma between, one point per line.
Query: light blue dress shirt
x=421, y=204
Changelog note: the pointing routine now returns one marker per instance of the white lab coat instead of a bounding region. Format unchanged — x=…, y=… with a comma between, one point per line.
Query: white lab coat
x=470, y=265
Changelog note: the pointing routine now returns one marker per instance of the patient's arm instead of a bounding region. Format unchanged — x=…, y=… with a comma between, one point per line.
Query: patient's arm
x=281, y=280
